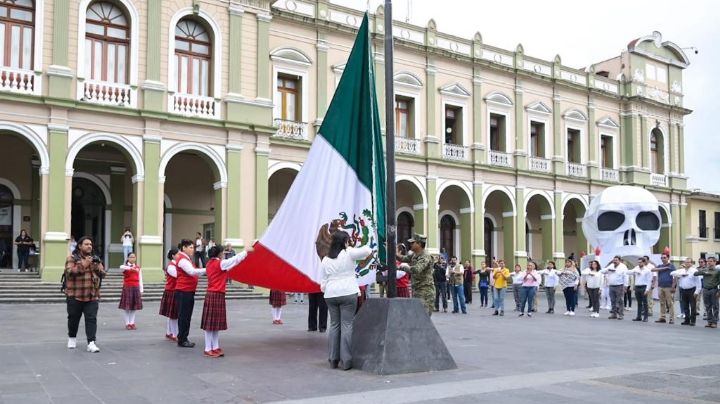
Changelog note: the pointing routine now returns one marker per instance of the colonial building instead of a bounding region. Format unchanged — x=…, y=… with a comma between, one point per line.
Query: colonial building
x=177, y=117
x=703, y=237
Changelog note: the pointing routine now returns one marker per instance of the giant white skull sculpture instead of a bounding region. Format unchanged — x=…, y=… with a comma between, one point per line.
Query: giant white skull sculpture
x=624, y=221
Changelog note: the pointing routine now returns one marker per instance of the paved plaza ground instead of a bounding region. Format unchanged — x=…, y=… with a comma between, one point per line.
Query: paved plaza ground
x=547, y=358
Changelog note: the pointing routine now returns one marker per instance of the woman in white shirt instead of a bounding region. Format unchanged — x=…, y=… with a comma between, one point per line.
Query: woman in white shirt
x=593, y=281
x=341, y=295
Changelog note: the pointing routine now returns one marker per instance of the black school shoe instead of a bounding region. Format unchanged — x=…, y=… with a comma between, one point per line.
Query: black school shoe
x=186, y=344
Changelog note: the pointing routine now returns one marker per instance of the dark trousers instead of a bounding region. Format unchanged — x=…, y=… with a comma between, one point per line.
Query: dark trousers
x=627, y=299
x=23, y=259
x=185, y=302
x=710, y=299
x=642, y=303
x=594, y=296
x=570, y=294
x=200, y=259
x=317, y=303
x=467, y=288
x=616, y=299
x=441, y=293
x=75, y=310
x=483, y=296
x=688, y=304
x=550, y=295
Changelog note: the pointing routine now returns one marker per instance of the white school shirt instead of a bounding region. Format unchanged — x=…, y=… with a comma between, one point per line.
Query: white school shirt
x=615, y=275
x=551, y=277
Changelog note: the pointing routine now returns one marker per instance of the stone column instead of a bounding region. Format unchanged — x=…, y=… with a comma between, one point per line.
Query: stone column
x=432, y=140
x=593, y=161
x=264, y=92
x=236, y=13
x=521, y=153
x=322, y=77
x=433, y=241
x=559, y=251
x=149, y=192
x=153, y=88
x=558, y=136
x=60, y=76
x=233, y=191
x=520, y=242
x=420, y=214
x=55, y=239
x=478, y=145
x=547, y=221
x=262, y=151
x=478, y=250
x=466, y=233
x=581, y=239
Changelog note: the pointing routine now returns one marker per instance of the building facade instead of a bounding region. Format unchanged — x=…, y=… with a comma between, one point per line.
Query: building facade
x=704, y=222
x=177, y=117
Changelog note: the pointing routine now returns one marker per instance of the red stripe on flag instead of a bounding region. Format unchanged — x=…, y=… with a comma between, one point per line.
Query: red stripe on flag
x=264, y=268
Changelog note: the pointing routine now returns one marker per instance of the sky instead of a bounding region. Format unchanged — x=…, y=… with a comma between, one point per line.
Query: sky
x=583, y=33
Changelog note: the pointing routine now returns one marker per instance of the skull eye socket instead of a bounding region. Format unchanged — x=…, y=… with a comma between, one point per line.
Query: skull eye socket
x=609, y=221
x=647, y=221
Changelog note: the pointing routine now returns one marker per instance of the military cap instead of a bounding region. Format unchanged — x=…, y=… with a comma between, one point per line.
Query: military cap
x=417, y=238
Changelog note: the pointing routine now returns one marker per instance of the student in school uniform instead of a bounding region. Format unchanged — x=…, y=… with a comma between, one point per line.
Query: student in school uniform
x=214, y=317
x=185, y=288
x=131, y=298
x=277, y=301
x=167, y=303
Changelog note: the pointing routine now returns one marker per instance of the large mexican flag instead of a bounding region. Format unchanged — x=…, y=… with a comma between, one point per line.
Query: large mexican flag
x=341, y=187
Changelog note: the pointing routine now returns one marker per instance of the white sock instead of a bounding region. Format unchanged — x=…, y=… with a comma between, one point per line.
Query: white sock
x=168, y=328
x=131, y=316
x=127, y=317
x=216, y=339
x=208, y=341
x=279, y=312
x=174, y=327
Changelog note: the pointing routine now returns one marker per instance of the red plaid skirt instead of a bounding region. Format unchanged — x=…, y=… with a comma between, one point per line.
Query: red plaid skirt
x=167, y=305
x=130, y=299
x=214, y=317
x=277, y=298
x=403, y=292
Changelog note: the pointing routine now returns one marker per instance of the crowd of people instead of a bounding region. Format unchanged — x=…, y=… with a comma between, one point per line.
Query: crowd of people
x=432, y=279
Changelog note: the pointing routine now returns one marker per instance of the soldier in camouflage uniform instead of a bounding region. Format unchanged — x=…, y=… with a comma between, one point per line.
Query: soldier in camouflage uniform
x=420, y=267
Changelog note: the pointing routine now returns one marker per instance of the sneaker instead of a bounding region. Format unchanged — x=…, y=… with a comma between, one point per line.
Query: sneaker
x=72, y=343
x=572, y=313
x=521, y=314
x=567, y=313
x=496, y=313
x=529, y=314
x=502, y=313
x=92, y=347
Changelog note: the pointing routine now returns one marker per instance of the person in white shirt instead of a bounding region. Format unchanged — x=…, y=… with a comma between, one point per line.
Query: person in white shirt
x=551, y=281
x=593, y=281
x=616, y=282
x=517, y=285
x=644, y=284
x=341, y=295
x=655, y=294
x=127, y=241
x=199, y=256
x=690, y=286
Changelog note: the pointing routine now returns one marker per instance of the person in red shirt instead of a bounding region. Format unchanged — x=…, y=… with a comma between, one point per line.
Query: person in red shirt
x=402, y=285
x=131, y=298
x=167, y=303
x=214, y=317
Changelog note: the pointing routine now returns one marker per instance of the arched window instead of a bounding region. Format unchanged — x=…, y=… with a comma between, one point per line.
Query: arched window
x=17, y=19
x=6, y=227
x=107, y=43
x=193, y=57
x=405, y=224
x=657, y=152
x=447, y=234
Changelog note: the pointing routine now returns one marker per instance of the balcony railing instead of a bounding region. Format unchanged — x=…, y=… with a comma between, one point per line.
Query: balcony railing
x=610, y=175
x=18, y=80
x=194, y=105
x=408, y=146
x=106, y=93
x=540, y=165
x=576, y=170
x=456, y=152
x=658, y=180
x=502, y=159
x=291, y=129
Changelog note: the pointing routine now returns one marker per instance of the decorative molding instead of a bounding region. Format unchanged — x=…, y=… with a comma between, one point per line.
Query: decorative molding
x=575, y=115
x=538, y=107
x=547, y=217
x=233, y=147
x=235, y=242
x=499, y=99
x=609, y=123
x=152, y=138
x=118, y=170
x=56, y=236
x=262, y=151
x=138, y=178
x=408, y=79
x=467, y=210
x=236, y=9
x=290, y=56
x=60, y=71
x=455, y=90
x=54, y=127
x=153, y=85
x=220, y=185
x=150, y=240
x=261, y=17
x=420, y=206
x=508, y=214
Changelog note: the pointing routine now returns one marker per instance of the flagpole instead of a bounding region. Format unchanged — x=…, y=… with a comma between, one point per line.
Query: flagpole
x=390, y=153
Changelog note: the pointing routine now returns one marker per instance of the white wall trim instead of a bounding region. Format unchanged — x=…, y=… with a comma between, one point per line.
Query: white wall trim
x=281, y=165
x=581, y=126
x=418, y=184
x=119, y=140
x=455, y=102
x=666, y=151
x=456, y=237
x=615, y=145
x=443, y=185
x=202, y=149
x=35, y=139
x=282, y=65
